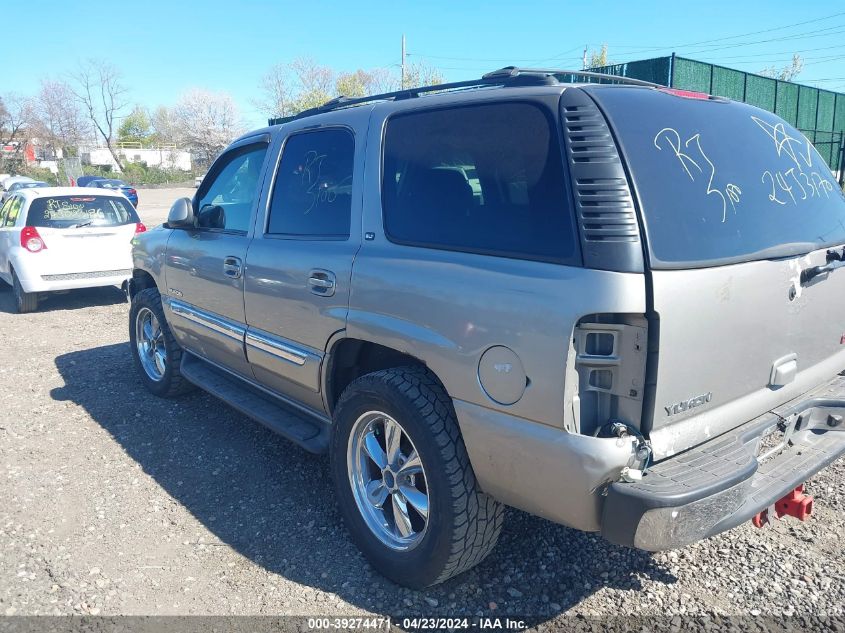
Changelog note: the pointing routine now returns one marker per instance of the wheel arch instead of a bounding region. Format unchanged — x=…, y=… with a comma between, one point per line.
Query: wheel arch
x=349, y=358
x=141, y=280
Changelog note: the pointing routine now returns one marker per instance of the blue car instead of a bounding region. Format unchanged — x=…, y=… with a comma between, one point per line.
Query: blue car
x=116, y=185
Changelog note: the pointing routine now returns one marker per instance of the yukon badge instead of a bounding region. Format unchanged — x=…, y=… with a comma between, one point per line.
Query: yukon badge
x=685, y=405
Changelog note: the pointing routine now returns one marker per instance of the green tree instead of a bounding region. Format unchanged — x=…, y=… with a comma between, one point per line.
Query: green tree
x=420, y=74
x=135, y=128
x=597, y=59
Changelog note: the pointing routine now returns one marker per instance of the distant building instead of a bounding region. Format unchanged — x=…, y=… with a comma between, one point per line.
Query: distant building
x=166, y=157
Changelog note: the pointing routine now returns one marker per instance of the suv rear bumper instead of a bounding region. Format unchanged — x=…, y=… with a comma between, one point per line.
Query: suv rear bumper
x=728, y=480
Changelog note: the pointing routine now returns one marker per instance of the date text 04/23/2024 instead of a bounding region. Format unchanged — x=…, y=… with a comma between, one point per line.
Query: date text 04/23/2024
x=418, y=623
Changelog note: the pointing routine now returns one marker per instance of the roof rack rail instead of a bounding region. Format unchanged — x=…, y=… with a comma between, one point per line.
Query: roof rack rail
x=513, y=72
x=507, y=76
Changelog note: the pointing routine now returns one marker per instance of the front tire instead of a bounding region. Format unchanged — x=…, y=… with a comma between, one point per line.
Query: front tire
x=155, y=351
x=403, y=479
x=25, y=301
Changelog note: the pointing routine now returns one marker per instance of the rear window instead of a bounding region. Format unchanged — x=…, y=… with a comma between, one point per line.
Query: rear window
x=722, y=182
x=70, y=211
x=482, y=179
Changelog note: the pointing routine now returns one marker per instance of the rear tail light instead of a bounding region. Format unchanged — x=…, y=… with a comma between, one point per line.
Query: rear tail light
x=132, y=192
x=31, y=241
x=140, y=228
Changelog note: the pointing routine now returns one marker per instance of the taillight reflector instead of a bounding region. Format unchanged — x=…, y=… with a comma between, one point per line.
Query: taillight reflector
x=140, y=228
x=31, y=240
x=687, y=94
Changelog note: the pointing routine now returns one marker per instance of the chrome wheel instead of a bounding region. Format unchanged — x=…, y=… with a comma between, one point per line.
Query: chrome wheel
x=149, y=340
x=388, y=480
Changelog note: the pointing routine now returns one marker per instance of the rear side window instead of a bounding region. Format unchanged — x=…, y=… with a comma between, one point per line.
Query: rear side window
x=70, y=211
x=312, y=196
x=723, y=182
x=483, y=179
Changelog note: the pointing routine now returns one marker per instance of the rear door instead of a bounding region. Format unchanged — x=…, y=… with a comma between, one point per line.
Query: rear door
x=300, y=263
x=204, y=266
x=736, y=203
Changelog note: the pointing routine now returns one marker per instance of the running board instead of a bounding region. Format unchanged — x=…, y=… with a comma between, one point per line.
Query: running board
x=299, y=427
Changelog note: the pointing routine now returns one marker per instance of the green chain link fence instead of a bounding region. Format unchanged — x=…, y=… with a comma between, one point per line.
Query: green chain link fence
x=818, y=113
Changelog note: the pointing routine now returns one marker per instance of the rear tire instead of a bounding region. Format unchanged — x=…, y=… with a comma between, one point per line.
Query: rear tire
x=420, y=529
x=25, y=301
x=155, y=351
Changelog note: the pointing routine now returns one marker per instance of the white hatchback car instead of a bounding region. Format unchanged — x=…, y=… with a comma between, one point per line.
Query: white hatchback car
x=61, y=238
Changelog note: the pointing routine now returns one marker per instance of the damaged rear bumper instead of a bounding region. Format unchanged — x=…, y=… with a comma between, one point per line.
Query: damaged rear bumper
x=728, y=480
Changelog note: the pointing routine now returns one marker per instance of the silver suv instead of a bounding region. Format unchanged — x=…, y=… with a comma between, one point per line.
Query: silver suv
x=613, y=306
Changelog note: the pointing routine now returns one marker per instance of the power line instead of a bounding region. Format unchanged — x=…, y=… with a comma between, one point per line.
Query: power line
x=495, y=59
x=646, y=48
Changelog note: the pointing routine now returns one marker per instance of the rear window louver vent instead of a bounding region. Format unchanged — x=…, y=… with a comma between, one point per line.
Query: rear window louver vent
x=605, y=207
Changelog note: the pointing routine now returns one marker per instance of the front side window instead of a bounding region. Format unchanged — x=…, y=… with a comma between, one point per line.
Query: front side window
x=484, y=178
x=226, y=200
x=312, y=195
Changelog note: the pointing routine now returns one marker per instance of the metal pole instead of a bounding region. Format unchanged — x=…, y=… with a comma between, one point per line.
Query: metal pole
x=842, y=159
x=403, y=61
x=584, y=63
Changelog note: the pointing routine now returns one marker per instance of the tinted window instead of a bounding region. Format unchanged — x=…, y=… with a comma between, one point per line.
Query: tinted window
x=313, y=191
x=70, y=211
x=484, y=178
x=227, y=198
x=723, y=182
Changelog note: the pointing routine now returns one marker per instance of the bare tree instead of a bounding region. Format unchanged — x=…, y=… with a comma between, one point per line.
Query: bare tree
x=207, y=122
x=15, y=120
x=420, y=74
x=276, y=90
x=103, y=98
x=16, y=114
x=59, y=118
x=365, y=82
x=788, y=72
x=164, y=125
x=299, y=85
x=290, y=88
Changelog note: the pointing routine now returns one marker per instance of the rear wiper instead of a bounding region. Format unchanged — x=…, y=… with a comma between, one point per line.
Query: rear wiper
x=835, y=259
x=83, y=224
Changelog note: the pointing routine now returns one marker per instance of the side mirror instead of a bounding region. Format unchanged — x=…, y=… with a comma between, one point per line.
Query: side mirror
x=181, y=215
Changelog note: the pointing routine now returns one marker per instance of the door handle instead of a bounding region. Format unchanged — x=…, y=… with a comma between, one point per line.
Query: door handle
x=322, y=282
x=233, y=267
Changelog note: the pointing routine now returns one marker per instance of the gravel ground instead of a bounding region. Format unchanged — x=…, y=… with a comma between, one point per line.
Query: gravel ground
x=115, y=502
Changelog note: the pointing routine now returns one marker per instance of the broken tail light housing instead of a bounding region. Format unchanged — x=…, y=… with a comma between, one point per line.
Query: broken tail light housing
x=686, y=94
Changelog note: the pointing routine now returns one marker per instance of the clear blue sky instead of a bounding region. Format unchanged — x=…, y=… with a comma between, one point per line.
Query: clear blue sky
x=164, y=47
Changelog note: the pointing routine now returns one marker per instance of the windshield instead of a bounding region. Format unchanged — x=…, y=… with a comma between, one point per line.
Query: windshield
x=73, y=211
x=722, y=182
x=28, y=185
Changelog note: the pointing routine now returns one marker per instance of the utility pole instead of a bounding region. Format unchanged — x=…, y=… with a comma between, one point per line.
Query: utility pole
x=403, y=61
x=584, y=64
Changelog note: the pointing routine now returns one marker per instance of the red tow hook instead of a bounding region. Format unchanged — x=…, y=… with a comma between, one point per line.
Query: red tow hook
x=795, y=504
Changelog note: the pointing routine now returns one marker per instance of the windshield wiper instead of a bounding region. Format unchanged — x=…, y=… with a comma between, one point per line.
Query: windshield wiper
x=835, y=259
x=84, y=224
